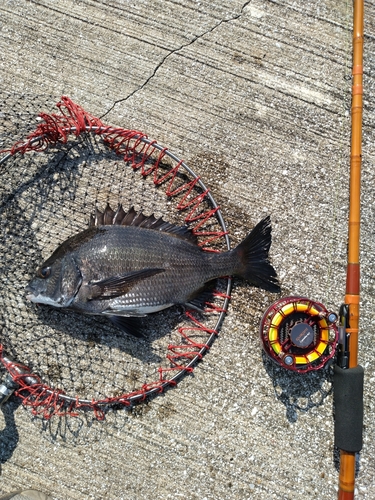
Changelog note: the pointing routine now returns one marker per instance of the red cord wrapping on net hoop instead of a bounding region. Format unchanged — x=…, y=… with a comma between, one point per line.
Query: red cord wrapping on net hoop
x=135, y=149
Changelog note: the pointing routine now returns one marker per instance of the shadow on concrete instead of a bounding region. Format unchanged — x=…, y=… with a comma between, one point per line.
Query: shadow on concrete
x=9, y=436
x=299, y=392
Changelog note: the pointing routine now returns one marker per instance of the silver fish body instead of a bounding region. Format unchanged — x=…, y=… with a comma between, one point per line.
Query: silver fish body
x=121, y=270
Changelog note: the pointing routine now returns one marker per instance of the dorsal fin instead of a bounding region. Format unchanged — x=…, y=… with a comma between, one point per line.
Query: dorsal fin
x=119, y=217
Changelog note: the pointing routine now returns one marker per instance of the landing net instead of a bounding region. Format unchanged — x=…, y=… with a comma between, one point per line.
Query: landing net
x=52, y=178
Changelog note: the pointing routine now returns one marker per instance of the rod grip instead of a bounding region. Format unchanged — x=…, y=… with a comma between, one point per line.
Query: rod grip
x=348, y=400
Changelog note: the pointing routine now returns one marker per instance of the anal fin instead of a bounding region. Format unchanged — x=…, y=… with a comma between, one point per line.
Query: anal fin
x=198, y=301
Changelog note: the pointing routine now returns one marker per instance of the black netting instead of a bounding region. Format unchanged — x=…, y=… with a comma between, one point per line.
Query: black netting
x=47, y=197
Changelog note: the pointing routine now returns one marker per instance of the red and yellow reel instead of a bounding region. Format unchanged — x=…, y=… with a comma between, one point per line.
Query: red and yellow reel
x=299, y=334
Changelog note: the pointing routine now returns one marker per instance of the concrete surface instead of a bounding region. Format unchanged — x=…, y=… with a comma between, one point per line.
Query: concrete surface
x=255, y=96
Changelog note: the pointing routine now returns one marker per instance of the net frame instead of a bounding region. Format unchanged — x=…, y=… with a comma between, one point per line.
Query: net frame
x=136, y=149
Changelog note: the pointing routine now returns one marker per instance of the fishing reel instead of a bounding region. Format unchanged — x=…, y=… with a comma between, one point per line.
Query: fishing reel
x=299, y=334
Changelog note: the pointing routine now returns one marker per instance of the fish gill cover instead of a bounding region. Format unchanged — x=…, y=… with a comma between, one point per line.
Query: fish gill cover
x=56, y=171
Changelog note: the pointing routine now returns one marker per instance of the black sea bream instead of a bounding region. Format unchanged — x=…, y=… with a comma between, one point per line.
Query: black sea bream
x=127, y=264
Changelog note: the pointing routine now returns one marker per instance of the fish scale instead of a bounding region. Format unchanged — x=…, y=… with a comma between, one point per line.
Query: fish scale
x=118, y=250
x=128, y=265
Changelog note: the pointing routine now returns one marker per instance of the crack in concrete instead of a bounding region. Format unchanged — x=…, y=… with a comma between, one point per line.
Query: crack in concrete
x=174, y=51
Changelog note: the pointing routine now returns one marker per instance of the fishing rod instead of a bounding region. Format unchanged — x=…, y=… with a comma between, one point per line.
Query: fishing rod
x=348, y=375
x=301, y=335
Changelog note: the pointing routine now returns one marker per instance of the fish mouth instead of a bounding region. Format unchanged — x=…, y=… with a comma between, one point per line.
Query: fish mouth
x=33, y=296
x=41, y=299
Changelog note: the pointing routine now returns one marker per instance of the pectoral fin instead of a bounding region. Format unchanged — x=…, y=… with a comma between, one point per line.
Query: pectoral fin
x=115, y=286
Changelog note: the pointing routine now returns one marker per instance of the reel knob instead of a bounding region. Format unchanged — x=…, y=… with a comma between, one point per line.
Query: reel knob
x=299, y=334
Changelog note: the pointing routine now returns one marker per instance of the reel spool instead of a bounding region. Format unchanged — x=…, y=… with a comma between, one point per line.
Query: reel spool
x=299, y=334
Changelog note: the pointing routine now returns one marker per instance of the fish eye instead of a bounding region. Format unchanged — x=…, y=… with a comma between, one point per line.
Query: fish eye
x=44, y=272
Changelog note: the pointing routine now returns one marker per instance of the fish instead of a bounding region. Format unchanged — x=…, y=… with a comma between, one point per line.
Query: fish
x=126, y=265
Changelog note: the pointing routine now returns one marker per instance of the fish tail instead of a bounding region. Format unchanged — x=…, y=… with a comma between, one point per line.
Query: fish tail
x=252, y=255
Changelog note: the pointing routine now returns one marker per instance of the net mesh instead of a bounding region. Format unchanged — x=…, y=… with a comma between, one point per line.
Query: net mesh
x=55, y=171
